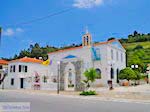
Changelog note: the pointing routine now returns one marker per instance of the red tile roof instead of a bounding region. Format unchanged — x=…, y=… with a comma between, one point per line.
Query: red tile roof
x=27, y=60
x=3, y=62
x=107, y=42
x=69, y=49
x=74, y=48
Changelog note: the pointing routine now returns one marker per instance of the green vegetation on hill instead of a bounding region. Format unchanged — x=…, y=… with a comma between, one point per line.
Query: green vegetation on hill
x=137, y=46
x=138, y=53
x=136, y=37
x=36, y=51
x=143, y=53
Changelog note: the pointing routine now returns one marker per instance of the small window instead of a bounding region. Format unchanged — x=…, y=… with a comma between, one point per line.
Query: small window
x=26, y=69
x=98, y=71
x=45, y=79
x=19, y=68
x=11, y=68
x=0, y=78
x=87, y=40
x=14, y=68
x=12, y=82
x=1, y=67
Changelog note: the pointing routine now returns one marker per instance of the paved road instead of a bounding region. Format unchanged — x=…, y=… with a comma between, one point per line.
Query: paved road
x=53, y=103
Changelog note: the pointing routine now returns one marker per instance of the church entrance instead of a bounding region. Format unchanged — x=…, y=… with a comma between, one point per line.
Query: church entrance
x=70, y=81
x=70, y=75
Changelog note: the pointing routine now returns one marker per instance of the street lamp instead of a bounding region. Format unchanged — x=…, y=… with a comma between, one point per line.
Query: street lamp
x=110, y=83
x=134, y=66
x=58, y=77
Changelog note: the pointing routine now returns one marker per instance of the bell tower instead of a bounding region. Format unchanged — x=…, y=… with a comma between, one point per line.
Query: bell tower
x=87, y=39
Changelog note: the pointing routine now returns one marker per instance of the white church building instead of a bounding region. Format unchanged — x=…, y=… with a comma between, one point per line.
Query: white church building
x=108, y=58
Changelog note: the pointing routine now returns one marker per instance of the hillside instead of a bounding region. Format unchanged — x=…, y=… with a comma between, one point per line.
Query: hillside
x=136, y=44
x=138, y=51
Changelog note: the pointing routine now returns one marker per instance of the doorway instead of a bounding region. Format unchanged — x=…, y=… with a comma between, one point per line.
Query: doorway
x=70, y=81
x=21, y=83
x=117, y=75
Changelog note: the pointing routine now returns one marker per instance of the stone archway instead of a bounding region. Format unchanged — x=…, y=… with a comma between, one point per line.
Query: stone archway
x=70, y=77
x=76, y=69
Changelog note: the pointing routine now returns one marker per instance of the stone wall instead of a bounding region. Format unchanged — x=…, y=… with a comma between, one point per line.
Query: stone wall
x=62, y=75
x=78, y=71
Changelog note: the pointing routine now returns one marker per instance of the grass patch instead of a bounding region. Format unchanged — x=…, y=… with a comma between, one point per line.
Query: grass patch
x=88, y=93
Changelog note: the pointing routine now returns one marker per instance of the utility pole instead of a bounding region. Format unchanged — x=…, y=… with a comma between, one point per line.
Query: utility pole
x=58, y=77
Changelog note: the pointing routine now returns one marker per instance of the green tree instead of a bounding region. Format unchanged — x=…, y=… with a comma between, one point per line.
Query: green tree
x=111, y=38
x=36, y=51
x=90, y=75
x=135, y=33
x=138, y=47
x=128, y=74
x=24, y=53
x=138, y=76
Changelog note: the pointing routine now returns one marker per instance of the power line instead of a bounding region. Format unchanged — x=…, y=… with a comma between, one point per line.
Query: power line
x=42, y=18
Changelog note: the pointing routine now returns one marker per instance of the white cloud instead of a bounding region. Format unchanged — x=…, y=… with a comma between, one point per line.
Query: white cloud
x=11, y=32
x=87, y=3
x=8, y=32
x=19, y=30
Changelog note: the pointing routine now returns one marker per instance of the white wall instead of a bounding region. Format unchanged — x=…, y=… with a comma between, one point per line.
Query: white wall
x=85, y=55
x=29, y=76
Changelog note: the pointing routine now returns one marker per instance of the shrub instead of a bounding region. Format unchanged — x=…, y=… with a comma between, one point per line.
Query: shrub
x=90, y=75
x=128, y=74
x=88, y=93
x=138, y=47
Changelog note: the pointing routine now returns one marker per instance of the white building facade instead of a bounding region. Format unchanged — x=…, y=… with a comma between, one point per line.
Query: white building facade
x=29, y=73
x=108, y=58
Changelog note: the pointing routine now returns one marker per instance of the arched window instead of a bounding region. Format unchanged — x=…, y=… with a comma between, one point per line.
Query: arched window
x=98, y=71
x=117, y=75
x=112, y=73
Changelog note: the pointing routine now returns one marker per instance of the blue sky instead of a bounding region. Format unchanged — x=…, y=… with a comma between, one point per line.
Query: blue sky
x=104, y=18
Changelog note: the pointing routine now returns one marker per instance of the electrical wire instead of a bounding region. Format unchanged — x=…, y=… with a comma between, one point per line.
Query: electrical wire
x=41, y=18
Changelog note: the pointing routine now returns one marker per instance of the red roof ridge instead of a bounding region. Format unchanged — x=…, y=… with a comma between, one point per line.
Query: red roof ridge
x=4, y=62
x=106, y=42
x=27, y=60
x=68, y=49
x=73, y=48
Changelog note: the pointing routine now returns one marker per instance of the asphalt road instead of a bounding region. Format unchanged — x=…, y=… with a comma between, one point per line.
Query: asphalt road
x=54, y=103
